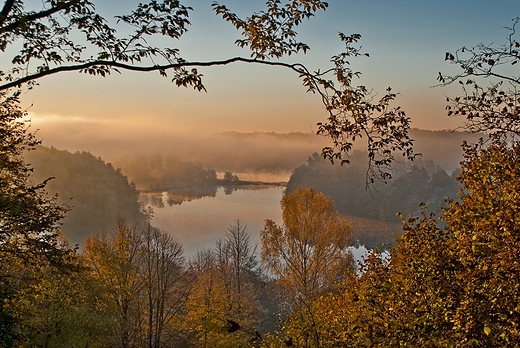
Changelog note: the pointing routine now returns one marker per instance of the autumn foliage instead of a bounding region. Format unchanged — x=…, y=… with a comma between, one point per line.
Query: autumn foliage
x=451, y=286
x=450, y=280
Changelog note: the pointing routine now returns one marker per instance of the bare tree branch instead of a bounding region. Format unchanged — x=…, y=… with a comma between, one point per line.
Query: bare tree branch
x=495, y=108
x=50, y=47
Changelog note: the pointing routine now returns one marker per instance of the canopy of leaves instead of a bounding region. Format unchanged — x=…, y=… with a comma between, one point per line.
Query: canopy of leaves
x=143, y=283
x=308, y=253
x=226, y=292
x=306, y=256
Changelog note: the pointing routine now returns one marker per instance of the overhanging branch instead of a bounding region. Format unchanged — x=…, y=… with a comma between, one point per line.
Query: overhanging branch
x=8, y=6
x=297, y=67
x=33, y=16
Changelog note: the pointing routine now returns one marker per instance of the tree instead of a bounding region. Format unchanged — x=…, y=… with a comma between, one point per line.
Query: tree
x=486, y=228
x=461, y=279
x=167, y=285
x=236, y=257
x=29, y=221
x=450, y=284
x=115, y=263
x=207, y=305
x=237, y=262
x=227, y=289
x=228, y=176
x=493, y=109
x=54, y=308
x=443, y=286
x=211, y=175
x=143, y=273
x=70, y=35
x=307, y=255
x=360, y=312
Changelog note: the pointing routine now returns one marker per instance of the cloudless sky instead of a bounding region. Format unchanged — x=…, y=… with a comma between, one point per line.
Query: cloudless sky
x=407, y=41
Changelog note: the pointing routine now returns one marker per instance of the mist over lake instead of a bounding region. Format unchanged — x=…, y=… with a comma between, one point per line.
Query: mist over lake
x=92, y=187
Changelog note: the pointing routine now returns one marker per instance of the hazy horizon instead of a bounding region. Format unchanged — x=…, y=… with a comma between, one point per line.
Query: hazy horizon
x=258, y=156
x=407, y=42
x=133, y=114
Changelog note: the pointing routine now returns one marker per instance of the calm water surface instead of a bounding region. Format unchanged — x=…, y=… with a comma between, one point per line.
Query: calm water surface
x=197, y=223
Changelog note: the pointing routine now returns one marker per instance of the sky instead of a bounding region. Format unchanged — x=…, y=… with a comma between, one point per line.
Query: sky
x=406, y=40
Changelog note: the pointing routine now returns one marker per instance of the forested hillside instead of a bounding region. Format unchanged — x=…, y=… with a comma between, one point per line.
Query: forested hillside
x=412, y=184
x=155, y=172
x=97, y=193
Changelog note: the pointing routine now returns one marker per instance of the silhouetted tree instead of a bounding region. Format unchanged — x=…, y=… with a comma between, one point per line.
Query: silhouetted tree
x=491, y=109
x=29, y=221
x=228, y=176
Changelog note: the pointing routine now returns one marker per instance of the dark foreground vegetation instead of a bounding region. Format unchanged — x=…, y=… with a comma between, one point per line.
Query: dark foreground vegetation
x=448, y=280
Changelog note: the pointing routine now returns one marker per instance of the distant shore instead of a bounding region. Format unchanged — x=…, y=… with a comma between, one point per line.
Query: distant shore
x=216, y=183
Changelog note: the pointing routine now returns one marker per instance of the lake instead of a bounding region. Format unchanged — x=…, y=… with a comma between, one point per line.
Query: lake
x=198, y=222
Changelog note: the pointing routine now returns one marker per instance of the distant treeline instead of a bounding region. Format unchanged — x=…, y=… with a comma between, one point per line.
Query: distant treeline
x=276, y=152
x=88, y=185
x=413, y=183
x=157, y=172
x=256, y=155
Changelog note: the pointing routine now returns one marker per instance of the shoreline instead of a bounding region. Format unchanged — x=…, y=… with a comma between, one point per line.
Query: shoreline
x=217, y=183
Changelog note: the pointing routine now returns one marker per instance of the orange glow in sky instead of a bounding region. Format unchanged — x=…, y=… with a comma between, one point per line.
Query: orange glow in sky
x=406, y=40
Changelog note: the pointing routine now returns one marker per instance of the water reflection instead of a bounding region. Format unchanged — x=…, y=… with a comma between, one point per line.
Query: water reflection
x=208, y=211
x=177, y=196
x=196, y=219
